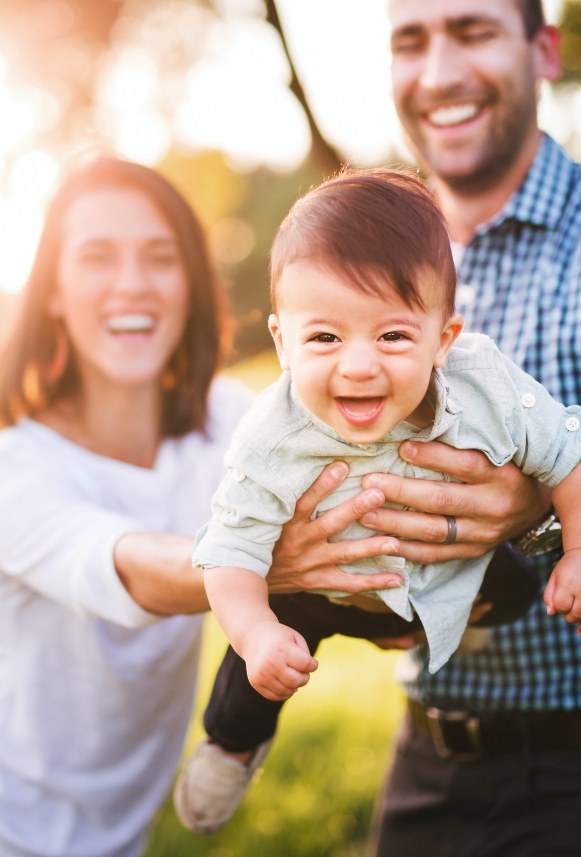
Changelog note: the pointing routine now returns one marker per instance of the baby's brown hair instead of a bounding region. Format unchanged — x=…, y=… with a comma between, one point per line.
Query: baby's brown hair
x=379, y=228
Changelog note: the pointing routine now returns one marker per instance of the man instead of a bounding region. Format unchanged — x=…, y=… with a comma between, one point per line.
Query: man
x=489, y=762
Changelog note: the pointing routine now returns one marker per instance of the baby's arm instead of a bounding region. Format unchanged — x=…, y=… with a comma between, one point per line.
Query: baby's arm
x=563, y=591
x=278, y=660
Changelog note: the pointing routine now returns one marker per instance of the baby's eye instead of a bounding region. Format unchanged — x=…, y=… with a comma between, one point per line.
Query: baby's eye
x=324, y=337
x=393, y=336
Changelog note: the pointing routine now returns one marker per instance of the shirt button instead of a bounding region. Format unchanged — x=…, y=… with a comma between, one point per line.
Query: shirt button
x=528, y=400
x=238, y=476
x=572, y=423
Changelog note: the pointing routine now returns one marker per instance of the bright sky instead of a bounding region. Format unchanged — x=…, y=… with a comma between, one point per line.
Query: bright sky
x=235, y=97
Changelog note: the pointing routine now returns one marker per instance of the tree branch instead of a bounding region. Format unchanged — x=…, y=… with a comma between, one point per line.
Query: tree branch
x=322, y=151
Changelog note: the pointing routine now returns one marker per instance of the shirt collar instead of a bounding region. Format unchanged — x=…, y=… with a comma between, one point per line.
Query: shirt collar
x=541, y=198
x=446, y=410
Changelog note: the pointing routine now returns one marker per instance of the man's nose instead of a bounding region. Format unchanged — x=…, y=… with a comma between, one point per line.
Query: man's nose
x=444, y=68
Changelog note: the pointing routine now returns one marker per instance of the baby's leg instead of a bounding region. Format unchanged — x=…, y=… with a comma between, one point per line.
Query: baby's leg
x=241, y=723
x=237, y=717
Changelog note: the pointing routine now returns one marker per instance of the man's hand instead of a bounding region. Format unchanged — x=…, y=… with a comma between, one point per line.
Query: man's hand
x=304, y=559
x=491, y=504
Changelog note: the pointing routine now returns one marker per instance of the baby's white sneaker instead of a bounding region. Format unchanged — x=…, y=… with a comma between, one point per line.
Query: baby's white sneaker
x=212, y=784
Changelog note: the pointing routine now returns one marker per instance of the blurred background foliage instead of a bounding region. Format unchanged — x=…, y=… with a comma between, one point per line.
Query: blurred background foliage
x=126, y=75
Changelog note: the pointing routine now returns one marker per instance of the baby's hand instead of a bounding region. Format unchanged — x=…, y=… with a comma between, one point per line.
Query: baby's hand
x=563, y=591
x=278, y=660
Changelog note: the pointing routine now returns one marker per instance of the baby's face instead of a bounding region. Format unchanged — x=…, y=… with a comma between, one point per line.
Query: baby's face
x=359, y=362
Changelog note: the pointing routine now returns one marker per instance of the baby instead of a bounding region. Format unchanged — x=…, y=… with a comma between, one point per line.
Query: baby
x=363, y=288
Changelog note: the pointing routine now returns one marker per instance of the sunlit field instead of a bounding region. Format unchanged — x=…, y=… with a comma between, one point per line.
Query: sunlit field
x=316, y=795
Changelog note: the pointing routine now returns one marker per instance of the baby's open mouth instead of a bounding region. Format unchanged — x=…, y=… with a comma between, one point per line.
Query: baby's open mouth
x=360, y=411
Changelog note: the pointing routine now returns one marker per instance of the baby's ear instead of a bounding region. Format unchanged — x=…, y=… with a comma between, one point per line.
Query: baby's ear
x=450, y=333
x=276, y=333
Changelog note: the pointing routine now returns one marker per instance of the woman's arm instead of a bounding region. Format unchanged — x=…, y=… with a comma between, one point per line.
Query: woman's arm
x=491, y=504
x=156, y=570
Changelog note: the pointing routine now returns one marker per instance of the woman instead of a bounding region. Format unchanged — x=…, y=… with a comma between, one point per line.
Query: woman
x=112, y=447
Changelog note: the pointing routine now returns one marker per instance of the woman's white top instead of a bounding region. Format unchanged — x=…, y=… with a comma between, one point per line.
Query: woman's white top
x=95, y=693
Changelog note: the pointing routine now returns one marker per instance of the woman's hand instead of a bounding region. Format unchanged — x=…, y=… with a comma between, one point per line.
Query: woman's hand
x=491, y=504
x=304, y=559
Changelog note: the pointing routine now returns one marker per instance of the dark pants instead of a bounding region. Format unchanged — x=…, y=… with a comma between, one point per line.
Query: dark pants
x=521, y=804
x=239, y=718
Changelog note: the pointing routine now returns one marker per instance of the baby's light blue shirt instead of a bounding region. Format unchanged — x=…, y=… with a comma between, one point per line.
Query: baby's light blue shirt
x=481, y=401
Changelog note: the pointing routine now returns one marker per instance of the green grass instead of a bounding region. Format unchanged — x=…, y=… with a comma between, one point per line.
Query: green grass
x=316, y=795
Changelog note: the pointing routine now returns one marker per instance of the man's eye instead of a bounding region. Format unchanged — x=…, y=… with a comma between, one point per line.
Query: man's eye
x=476, y=34
x=407, y=45
x=324, y=337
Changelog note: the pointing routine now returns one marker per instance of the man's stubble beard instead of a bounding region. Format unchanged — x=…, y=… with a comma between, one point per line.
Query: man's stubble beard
x=499, y=152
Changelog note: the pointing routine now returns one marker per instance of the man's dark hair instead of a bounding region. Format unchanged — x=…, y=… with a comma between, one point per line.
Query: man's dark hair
x=533, y=16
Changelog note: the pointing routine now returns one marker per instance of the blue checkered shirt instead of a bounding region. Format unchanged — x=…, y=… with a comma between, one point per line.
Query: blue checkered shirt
x=520, y=282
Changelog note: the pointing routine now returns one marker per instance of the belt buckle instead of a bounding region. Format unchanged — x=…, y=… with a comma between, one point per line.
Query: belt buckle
x=437, y=720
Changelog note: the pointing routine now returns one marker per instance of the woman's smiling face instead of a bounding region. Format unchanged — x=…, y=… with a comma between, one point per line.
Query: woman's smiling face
x=121, y=288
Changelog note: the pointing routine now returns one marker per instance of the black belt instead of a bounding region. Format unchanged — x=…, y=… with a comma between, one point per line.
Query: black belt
x=464, y=736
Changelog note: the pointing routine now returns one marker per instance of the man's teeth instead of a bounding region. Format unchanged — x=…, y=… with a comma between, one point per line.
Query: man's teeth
x=452, y=115
x=129, y=323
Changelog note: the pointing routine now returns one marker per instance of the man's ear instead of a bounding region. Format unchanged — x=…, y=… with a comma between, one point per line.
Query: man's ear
x=548, y=63
x=276, y=333
x=450, y=333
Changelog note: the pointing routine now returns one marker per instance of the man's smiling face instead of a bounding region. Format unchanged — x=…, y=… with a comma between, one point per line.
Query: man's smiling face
x=464, y=79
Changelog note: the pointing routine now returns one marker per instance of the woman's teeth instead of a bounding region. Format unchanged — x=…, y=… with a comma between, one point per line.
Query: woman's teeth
x=129, y=323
